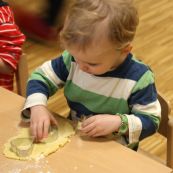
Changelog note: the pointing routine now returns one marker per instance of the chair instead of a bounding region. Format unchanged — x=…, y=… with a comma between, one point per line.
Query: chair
x=22, y=76
x=165, y=129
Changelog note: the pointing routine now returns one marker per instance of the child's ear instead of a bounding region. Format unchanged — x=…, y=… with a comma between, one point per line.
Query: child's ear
x=127, y=49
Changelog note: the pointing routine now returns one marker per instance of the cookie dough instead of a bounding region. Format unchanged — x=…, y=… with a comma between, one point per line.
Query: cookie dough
x=65, y=131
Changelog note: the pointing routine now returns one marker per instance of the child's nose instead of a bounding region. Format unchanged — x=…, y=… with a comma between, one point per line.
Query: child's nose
x=83, y=67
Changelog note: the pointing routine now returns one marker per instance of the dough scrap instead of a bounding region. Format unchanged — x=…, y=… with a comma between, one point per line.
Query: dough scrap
x=65, y=131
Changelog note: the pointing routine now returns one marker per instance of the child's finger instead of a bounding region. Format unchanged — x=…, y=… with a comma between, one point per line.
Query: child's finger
x=40, y=131
x=46, y=128
x=88, y=121
x=54, y=121
x=33, y=130
x=92, y=133
x=88, y=128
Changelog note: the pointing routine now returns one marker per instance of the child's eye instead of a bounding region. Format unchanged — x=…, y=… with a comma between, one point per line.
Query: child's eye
x=93, y=64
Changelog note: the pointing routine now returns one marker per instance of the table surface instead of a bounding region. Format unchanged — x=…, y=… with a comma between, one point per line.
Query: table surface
x=83, y=156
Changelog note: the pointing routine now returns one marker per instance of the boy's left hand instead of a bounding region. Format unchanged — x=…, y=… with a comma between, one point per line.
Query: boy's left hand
x=100, y=125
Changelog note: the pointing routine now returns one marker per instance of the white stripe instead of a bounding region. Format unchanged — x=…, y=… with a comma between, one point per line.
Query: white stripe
x=8, y=24
x=5, y=54
x=3, y=18
x=135, y=128
x=152, y=108
x=8, y=30
x=10, y=15
x=50, y=74
x=107, y=86
x=9, y=62
x=9, y=42
x=16, y=36
x=6, y=41
x=5, y=11
x=16, y=48
x=35, y=99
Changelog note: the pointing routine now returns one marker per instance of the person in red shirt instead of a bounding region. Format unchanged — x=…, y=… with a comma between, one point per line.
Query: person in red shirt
x=11, y=41
x=42, y=27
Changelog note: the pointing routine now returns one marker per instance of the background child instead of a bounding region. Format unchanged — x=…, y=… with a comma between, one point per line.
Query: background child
x=101, y=78
x=11, y=40
x=43, y=26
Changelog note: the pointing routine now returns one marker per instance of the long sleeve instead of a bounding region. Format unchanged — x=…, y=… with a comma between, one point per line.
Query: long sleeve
x=11, y=41
x=46, y=80
x=11, y=38
x=145, y=112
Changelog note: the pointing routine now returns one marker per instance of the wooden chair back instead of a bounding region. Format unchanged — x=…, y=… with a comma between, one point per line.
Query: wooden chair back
x=22, y=76
x=166, y=128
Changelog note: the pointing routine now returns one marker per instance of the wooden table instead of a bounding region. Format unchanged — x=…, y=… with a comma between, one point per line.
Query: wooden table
x=78, y=156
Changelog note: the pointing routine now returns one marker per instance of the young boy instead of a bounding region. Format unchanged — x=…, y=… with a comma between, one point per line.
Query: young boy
x=101, y=78
x=11, y=40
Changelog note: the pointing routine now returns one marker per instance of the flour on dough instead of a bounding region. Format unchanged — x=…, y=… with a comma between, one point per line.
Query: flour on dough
x=65, y=131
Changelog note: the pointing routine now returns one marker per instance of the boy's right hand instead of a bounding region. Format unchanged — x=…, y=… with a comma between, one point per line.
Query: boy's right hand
x=40, y=120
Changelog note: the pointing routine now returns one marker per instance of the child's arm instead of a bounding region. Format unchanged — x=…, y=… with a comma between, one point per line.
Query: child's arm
x=142, y=121
x=145, y=109
x=43, y=83
x=46, y=80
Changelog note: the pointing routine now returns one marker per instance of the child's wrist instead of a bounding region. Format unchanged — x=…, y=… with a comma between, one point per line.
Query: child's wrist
x=123, y=128
x=123, y=125
x=37, y=107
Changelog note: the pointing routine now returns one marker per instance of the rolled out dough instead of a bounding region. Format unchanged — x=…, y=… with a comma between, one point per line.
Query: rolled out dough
x=65, y=131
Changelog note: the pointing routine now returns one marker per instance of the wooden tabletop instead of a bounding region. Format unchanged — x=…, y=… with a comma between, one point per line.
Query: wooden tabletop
x=79, y=156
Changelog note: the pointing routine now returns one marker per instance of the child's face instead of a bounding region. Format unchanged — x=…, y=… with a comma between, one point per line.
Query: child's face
x=98, y=58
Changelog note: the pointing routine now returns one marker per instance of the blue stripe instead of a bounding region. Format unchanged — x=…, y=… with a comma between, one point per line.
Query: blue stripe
x=79, y=108
x=148, y=126
x=145, y=96
x=60, y=68
x=129, y=69
x=35, y=86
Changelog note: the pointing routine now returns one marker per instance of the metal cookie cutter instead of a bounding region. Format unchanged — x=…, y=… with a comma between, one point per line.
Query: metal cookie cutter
x=52, y=136
x=79, y=124
x=22, y=146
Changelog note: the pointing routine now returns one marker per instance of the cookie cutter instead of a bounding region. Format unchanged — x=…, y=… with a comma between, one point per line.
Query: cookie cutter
x=79, y=124
x=52, y=136
x=22, y=146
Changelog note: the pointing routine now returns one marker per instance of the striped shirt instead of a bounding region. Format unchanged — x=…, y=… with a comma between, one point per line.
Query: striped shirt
x=128, y=90
x=11, y=40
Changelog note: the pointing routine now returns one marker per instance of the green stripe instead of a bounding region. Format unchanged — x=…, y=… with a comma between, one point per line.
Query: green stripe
x=155, y=119
x=39, y=75
x=133, y=145
x=67, y=59
x=145, y=80
x=95, y=102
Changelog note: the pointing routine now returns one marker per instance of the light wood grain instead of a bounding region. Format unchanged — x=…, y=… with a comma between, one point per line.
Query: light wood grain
x=81, y=154
x=153, y=44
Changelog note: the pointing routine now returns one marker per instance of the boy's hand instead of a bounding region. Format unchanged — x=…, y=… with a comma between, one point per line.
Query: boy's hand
x=41, y=119
x=100, y=125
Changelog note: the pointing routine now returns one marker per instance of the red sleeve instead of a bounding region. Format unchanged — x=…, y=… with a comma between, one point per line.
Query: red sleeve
x=11, y=38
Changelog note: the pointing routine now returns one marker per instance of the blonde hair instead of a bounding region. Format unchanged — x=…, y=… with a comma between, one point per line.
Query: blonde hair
x=85, y=15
